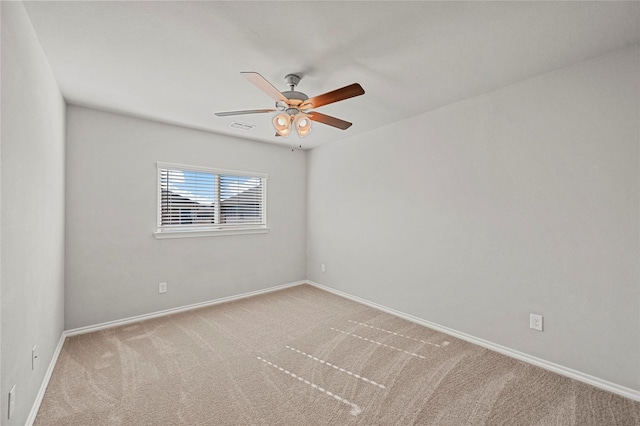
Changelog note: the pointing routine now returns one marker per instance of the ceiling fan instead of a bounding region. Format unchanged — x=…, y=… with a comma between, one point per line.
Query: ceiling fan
x=295, y=108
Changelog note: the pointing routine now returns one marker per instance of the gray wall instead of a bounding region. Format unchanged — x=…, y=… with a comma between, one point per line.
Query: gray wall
x=32, y=214
x=523, y=200
x=113, y=261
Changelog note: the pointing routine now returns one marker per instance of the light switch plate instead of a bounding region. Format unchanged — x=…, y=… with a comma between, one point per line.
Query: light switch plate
x=34, y=357
x=12, y=402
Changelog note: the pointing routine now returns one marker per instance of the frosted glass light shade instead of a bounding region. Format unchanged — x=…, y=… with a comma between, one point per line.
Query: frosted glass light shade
x=282, y=124
x=303, y=124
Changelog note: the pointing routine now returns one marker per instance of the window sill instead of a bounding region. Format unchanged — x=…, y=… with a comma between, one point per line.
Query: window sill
x=160, y=235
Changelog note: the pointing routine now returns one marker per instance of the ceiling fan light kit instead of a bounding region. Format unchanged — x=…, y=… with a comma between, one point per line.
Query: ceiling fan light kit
x=282, y=123
x=294, y=108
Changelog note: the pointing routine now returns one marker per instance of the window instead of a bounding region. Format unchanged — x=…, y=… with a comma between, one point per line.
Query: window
x=197, y=201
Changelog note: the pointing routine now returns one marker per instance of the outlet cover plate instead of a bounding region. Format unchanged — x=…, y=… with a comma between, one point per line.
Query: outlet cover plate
x=162, y=288
x=535, y=322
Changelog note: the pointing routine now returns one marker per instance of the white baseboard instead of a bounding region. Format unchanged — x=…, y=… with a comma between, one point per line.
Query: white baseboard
x=45, y=381
x=556, y=368
x=138, y=318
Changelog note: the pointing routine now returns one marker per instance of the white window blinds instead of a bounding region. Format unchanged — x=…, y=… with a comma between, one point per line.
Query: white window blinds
x=194, y=199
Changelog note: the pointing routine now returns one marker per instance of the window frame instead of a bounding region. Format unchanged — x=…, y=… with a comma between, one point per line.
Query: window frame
x=215, y=230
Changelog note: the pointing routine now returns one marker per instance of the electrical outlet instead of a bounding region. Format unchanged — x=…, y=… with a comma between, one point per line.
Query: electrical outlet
x=12, y=402
x=323, y=268
x=34, y=357
x=535, y=322
x=162, y=288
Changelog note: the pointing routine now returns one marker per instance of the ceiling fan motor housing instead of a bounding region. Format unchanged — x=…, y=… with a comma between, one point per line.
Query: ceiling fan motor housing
x=292, y=94
x=295, y=98
x=290, y=107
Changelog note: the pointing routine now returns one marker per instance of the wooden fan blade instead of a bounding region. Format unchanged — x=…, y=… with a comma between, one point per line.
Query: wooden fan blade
x=329, y=120
x=334, y=96
x=248, y=111
x=261, y=83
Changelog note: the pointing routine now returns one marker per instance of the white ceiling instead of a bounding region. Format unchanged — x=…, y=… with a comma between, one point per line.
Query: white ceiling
x=178, y=62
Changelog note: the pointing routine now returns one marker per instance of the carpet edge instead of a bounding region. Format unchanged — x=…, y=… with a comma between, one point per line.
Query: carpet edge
x=512, y=353
x=556, y=368
x=45, y=381
x=165, y=312
x=110, y=324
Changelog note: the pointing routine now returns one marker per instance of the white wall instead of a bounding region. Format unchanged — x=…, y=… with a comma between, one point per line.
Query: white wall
x=32, y=214
x=113, y=261
x=472, y=216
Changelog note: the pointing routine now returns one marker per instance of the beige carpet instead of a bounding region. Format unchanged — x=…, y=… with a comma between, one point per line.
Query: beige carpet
x=302, y=356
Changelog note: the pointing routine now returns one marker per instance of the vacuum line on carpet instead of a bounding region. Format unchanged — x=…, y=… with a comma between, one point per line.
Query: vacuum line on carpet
x=342, y=370
x=379, y=343
x=445, y=343
x=355, y=410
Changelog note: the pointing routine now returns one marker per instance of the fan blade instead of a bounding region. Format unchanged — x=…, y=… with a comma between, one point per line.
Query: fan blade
x=327, y=119
x=334, y=96
x=249, y=111
x=261, y=83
